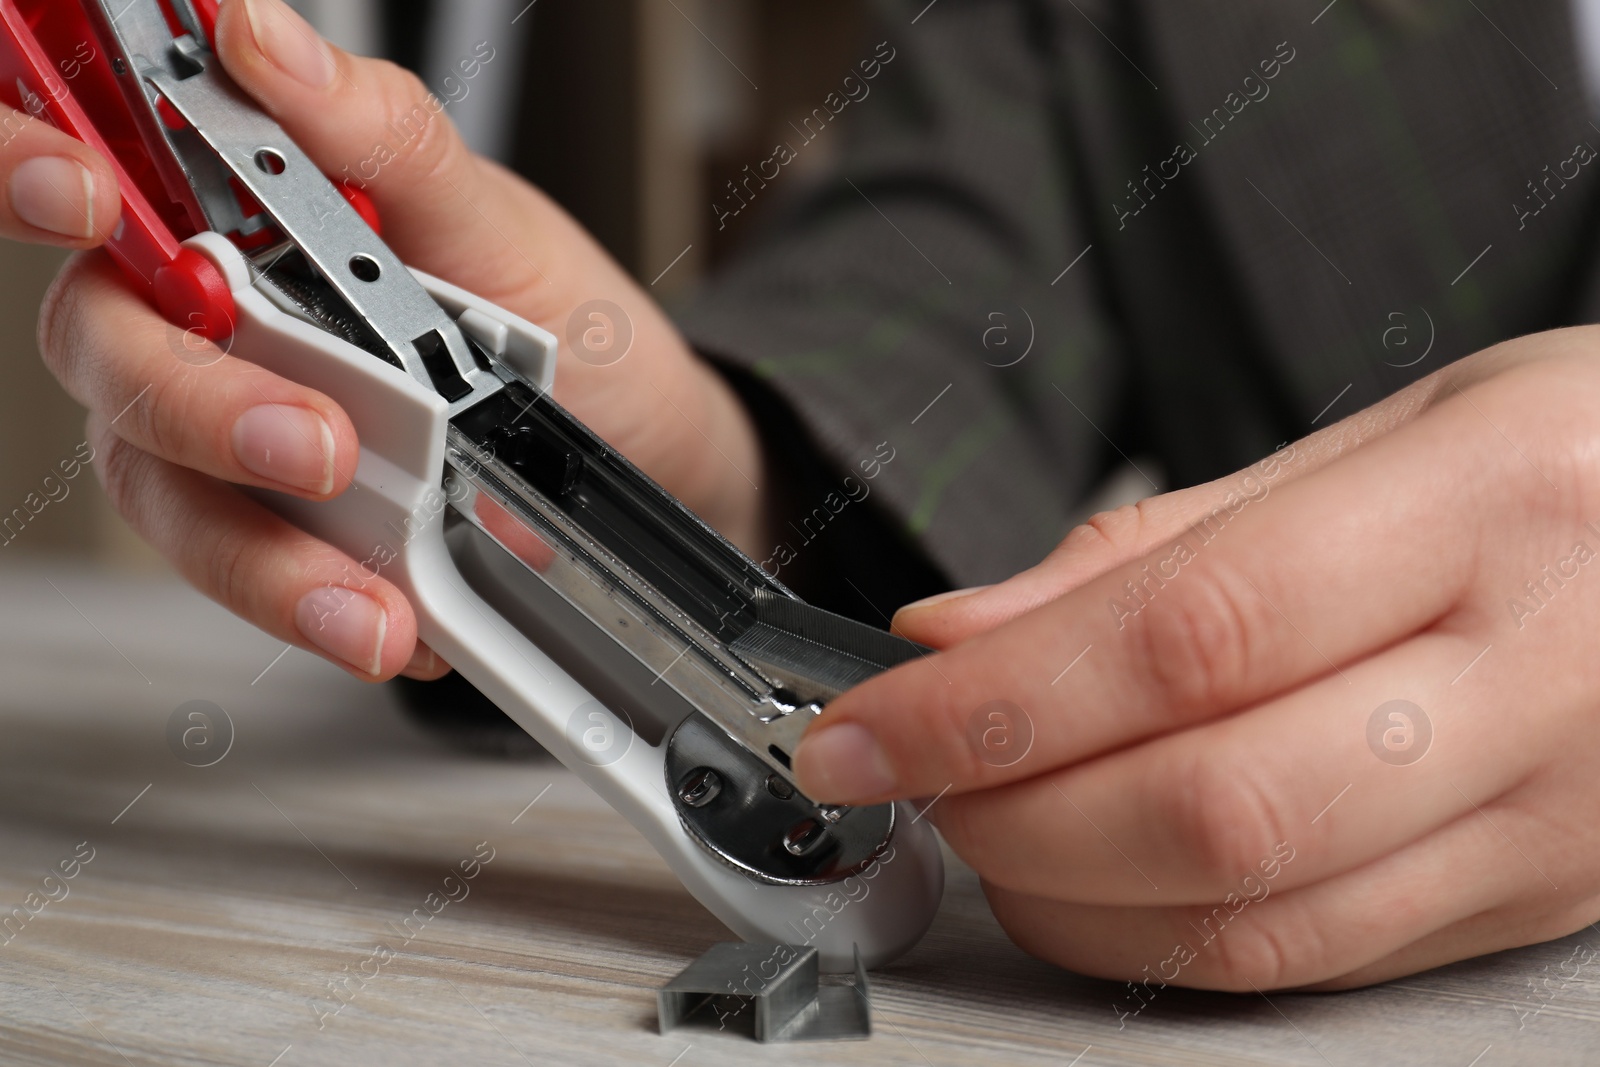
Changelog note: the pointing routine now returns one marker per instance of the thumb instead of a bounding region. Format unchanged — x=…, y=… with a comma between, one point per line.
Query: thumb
x=1113, y=538
x=375, y=125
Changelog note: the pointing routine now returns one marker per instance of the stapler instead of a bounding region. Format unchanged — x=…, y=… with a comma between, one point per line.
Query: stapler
x=626, y=636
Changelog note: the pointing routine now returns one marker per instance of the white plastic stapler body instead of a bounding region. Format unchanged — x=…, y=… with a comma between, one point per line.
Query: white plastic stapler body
x=627, y=637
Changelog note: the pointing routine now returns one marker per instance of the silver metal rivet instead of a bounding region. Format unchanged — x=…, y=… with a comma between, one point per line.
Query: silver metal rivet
x=700, y=787
x=803, y=836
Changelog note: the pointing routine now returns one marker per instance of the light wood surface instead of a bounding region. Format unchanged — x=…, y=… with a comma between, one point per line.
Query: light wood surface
x=221, y=901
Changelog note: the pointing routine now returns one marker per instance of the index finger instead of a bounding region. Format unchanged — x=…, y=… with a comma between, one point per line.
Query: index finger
x=59, y=191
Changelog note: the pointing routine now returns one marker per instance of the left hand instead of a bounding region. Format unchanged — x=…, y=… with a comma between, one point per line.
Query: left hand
x=200, y=422
x=1212, y=796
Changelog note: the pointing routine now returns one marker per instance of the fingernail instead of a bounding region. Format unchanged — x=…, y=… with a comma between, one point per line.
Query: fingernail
x=56, y=194
x=290, y=43
x=842, y=764
x=424, y=664
x=289, y=445
x=954, y=594
x=347, y=625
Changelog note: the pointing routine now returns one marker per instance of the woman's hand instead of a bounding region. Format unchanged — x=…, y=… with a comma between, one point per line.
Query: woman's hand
x=174, y=421
x=1325, y=722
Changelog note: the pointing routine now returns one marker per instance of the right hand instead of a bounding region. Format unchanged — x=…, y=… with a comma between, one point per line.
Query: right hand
x=169, y=433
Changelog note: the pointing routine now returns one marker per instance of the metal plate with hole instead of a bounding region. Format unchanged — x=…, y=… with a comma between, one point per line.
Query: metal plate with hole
x=732, y=804
x=228, y=139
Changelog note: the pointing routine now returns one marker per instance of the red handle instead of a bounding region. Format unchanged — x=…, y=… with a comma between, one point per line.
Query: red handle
x=53, y=67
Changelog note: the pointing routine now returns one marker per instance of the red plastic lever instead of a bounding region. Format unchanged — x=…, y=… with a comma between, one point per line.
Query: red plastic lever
x=53, y=68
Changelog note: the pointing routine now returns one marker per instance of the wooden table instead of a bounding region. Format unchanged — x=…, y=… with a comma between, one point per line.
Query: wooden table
x=221, y=902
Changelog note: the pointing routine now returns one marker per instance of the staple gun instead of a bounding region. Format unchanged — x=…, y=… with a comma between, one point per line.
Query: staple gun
x=653, y=658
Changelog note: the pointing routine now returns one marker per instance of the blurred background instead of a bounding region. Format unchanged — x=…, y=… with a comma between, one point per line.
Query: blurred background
x=634, y=114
